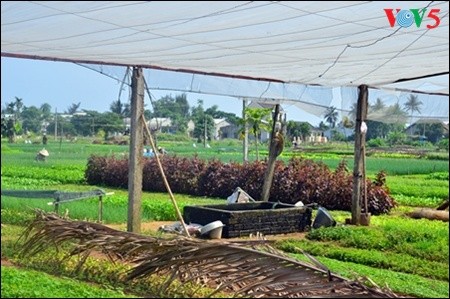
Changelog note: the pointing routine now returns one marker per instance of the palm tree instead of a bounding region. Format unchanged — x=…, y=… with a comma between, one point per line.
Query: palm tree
x=331, y=116
x=412, y=105
x=73, y=108
x=116, y=107
x=352, y=112
x=19, y=105
x=379, y=105
x=395, y=114
x=254, y=118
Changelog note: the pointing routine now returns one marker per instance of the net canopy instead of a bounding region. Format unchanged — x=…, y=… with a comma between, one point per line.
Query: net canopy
x=270, y=51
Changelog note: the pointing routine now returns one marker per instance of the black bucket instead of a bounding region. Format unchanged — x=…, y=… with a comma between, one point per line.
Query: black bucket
x=323, y=218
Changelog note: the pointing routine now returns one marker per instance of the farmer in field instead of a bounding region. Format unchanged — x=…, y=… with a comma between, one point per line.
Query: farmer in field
x=148, y=153
x=42, y=155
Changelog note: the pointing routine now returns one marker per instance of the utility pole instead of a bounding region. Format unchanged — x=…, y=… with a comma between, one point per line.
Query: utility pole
x=206, y=135
x=56, y=123
x=135, y=163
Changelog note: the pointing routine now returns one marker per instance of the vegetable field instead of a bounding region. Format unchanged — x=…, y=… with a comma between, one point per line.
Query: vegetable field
x=409, y=256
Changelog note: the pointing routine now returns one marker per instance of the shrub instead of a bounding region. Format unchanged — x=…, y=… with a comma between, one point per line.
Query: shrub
x=219, y=179
x=300, y=180
x=95, y=170
x=376, y=142
x=443, y=144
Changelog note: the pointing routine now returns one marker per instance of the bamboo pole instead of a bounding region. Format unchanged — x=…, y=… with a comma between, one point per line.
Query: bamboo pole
x=166, y=183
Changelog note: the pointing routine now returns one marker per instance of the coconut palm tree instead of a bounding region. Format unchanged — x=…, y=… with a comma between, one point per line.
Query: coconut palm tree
x=73, y=108
x=331, y=116
x=413, y=104
x=378, y=105
x=352, y=112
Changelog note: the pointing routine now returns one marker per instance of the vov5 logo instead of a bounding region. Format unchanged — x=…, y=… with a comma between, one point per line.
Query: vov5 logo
x=406, y=17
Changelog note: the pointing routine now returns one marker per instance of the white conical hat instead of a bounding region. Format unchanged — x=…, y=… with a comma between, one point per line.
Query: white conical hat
x=44, y=152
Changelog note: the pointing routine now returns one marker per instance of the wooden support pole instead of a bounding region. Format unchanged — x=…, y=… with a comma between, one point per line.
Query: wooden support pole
x=57, y=199
x=268, y=177
x=100, y=209
x=245, y=142
x=136, y=149
x=358, y=169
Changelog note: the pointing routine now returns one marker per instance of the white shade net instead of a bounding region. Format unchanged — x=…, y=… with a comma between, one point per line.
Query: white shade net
x=293, y=53
x=334, y=43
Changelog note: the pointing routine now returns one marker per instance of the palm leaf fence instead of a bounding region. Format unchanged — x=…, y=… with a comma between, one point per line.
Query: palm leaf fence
x=240, y=268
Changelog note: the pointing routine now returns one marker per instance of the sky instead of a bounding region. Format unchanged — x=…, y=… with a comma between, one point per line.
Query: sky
x=62, y=84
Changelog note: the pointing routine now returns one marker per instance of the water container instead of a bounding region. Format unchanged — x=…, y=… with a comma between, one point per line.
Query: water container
x=323, y=218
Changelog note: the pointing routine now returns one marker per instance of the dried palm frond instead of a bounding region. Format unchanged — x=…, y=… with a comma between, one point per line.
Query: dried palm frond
x=251, y=269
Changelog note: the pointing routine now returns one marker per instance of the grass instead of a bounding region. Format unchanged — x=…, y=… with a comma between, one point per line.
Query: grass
x=155, y=206
x=401, y=283
x=420, y=238
x=419, y=185
x=22, y=283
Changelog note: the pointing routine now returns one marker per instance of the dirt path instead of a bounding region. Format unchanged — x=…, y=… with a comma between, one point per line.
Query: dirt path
x=152, y=226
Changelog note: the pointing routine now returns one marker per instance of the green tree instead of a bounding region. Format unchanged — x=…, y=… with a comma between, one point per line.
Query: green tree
x=116, y=107
x=73, y=108
x=13, y=125
x=32, y=119
x=10, y=130
x=177, y=109
x=323, y=126
x=46, y=109
x=434, y=132
x=91, y=123
x=121, y=109
x=216, y=113
x=295, y=129
x=46, y=112
x=254, y=118
x=65, y=126
x=396, y=115
x=202, y=120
